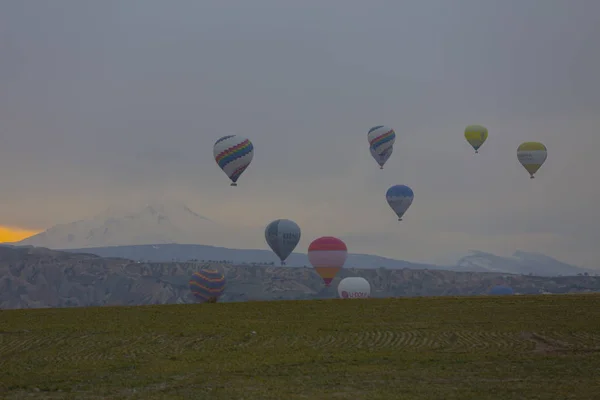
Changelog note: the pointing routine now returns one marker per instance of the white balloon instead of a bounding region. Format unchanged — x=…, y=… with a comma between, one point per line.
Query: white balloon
x=383, y=157
x=354, y=288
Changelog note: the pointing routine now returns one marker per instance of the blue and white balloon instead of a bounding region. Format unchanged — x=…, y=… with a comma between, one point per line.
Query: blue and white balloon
x=400, y=197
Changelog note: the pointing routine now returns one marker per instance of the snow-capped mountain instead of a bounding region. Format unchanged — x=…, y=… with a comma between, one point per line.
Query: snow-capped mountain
x=154, y=223
x=166, y=231
x=520, y=263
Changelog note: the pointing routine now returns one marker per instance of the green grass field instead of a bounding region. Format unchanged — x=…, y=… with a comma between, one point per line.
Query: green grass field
x=517, y=347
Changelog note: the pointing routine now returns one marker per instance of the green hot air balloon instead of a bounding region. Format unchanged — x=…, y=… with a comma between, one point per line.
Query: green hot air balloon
x=476, y=135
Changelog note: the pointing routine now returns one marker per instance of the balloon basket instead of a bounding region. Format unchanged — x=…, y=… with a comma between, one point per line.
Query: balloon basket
x=399, y=219
x=233, y=184
x=531, y=177
x=380, y=167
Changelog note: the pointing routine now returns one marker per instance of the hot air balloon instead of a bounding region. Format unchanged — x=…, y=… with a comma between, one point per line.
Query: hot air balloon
x=354, y=288
x=327, y=255
x=383, y=157
x=501, y=290
x=532, y=155
x=381, y=138
x=233, y=154
x=476, y=136
x=399, y=197
x=207, y=285
x=282, y=236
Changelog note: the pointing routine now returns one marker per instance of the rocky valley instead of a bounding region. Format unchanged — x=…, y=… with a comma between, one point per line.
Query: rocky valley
x=34, y=277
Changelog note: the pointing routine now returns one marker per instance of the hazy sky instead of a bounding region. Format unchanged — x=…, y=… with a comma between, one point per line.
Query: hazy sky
x=106, y=102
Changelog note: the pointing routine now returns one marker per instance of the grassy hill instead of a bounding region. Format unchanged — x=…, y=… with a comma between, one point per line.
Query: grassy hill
x=515, y=347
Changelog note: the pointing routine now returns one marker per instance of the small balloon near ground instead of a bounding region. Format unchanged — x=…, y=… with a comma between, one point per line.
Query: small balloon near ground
x=207, y=285
x=354, y=288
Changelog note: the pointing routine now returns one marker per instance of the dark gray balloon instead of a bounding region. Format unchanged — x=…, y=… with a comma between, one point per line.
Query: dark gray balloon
x=282, y=236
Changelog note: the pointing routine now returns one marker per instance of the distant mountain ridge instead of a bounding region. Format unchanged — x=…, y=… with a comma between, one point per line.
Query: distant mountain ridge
x=184, y=252
x=162, y=232
x=520, y=263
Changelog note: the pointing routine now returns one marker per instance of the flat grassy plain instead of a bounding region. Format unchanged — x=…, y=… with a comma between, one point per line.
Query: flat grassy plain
x=516, y=347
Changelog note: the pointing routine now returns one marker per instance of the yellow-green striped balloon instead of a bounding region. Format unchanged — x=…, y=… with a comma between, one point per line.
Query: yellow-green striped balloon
x=476, y=135
x=532, y=155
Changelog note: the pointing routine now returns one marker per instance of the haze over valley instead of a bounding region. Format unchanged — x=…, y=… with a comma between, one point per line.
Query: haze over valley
x=171, y=231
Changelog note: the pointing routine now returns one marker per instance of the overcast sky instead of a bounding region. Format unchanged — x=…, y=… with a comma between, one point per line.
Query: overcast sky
x=106, y=102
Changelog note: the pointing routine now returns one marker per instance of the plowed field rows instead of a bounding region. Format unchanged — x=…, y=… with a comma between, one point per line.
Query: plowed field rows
x=451, y=348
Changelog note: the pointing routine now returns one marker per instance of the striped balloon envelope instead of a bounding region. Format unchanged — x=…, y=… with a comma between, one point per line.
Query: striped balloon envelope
x=381, y=138
x=327, y=255
x=207, y=285
x=233, y=154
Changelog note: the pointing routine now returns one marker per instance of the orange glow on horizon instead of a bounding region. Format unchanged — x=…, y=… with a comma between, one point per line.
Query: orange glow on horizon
x=10, y=234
